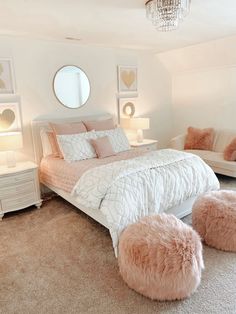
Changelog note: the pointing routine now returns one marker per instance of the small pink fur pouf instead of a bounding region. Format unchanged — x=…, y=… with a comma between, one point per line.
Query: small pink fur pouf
x=161, y=258
x=214, y=218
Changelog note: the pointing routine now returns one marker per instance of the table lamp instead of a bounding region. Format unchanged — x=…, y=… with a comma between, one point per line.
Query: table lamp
x=9, y=142
x=139, y=124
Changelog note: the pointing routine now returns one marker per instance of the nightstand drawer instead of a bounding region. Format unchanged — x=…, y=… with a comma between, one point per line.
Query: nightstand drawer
x=17, y=189
x=19, y=202
x=16, y=178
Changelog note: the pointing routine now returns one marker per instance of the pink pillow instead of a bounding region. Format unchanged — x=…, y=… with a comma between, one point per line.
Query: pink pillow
x=53, y=143
x=202, y=139
x=103, y=147
x=100, y=125
x=230, y=151
x=66, y=129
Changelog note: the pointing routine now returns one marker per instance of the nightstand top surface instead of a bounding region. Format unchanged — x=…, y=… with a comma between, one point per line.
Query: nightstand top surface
x=20, y=166
x=145, y=142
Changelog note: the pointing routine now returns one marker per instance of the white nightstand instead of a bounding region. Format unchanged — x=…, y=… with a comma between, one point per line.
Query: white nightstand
x=149, y=145
x=19, y=187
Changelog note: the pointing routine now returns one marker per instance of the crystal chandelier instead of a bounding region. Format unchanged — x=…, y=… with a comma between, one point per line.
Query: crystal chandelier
x=167, y=14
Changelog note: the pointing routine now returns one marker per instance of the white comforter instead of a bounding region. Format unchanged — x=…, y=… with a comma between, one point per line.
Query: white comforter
x=127, y=190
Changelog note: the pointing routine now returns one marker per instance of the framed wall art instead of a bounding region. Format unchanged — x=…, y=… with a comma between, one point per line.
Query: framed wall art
x=127, y=79
x=126, y=108
x=7, y=80
x=10, y=117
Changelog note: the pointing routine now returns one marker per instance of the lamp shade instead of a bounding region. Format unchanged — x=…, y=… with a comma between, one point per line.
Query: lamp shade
x=139, y=123
x=10, y=141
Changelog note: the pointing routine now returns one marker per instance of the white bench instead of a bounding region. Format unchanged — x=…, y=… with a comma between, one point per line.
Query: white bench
x=214, y=158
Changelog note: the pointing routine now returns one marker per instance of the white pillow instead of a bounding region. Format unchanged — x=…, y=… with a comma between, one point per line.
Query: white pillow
x=46, y=146
x=77, y=146
x=118, y=139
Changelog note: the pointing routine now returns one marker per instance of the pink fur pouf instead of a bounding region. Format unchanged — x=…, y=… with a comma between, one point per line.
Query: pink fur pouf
x=161, y=258
x=214, y=218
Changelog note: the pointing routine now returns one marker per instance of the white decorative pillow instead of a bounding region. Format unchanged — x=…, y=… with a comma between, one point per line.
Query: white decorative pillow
x=118, y=139
x=77, y=146
x=46, y=146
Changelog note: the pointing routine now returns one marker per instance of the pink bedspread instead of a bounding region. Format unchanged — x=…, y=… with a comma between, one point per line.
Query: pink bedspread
x=63, y=175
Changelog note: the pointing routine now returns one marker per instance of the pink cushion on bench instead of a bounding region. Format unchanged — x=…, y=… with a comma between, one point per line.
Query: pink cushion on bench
x=230, y=151
x=199, y=139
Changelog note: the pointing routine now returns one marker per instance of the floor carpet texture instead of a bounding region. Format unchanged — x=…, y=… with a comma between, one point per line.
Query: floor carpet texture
x=58, y=260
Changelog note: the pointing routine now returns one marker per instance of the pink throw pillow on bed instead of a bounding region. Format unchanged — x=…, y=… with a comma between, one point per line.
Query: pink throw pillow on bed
x=230, y=151
x=100, y=125
x=202, y=139
x=65, y=129
x=53, y=144
x=68, y=128
x=103, y=147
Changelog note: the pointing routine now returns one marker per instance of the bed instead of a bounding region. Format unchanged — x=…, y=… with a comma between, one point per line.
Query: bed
x=80, y=182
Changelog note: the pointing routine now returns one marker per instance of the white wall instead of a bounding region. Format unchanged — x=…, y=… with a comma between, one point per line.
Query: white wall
x=203, y=84
x=190, y=86
x=36, y=61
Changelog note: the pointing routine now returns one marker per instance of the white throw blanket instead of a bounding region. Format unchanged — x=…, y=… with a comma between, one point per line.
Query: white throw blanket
x=128, y=190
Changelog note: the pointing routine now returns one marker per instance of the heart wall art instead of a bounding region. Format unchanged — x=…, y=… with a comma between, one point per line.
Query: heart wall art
x=127, y=79
x=10, y=117
x=7, y=82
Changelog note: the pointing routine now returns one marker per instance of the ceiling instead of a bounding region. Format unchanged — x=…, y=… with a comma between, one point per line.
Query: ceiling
x=115, y=23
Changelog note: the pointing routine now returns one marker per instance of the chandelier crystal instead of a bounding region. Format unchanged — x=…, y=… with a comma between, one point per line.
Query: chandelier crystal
x=167, y=14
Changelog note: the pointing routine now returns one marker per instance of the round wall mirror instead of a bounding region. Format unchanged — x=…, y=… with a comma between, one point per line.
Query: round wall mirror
x=71, y=86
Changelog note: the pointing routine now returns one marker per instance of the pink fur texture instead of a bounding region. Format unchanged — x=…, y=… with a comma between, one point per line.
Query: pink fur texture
x=199, y=139
x=230, y=151
x=161, y=258
x=214, y=218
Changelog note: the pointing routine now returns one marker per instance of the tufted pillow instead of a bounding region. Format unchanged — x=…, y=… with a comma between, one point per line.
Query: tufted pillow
x=100, y=125
x=117, y=138
x=202, y=139
x=77, y=146
x=103, y=147
x=230, y=151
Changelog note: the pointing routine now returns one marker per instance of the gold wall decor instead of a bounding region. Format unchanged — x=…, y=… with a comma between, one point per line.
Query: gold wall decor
x=7, y=82
x=127, y=79
x=10, y=117
x=126, y=108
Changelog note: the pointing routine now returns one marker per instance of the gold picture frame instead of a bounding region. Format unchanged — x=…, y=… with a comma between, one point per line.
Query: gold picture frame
x=7, y=79
x=10, y=117
x=126, y=108
x=128, y=79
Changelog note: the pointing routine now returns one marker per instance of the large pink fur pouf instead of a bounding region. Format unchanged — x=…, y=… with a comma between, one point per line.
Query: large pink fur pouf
x=161, y=258
x=214, y=218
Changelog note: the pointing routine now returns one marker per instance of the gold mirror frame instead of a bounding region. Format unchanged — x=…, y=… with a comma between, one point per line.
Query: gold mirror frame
x=53, y=86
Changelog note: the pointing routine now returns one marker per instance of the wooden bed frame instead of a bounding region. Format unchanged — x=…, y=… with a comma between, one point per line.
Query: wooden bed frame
x=179, y=211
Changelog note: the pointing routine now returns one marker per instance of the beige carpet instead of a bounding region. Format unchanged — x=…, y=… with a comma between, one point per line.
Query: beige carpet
x=57, y=260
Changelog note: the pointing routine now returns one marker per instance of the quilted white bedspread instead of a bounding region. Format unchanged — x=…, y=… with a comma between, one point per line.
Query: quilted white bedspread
x=127, y=190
